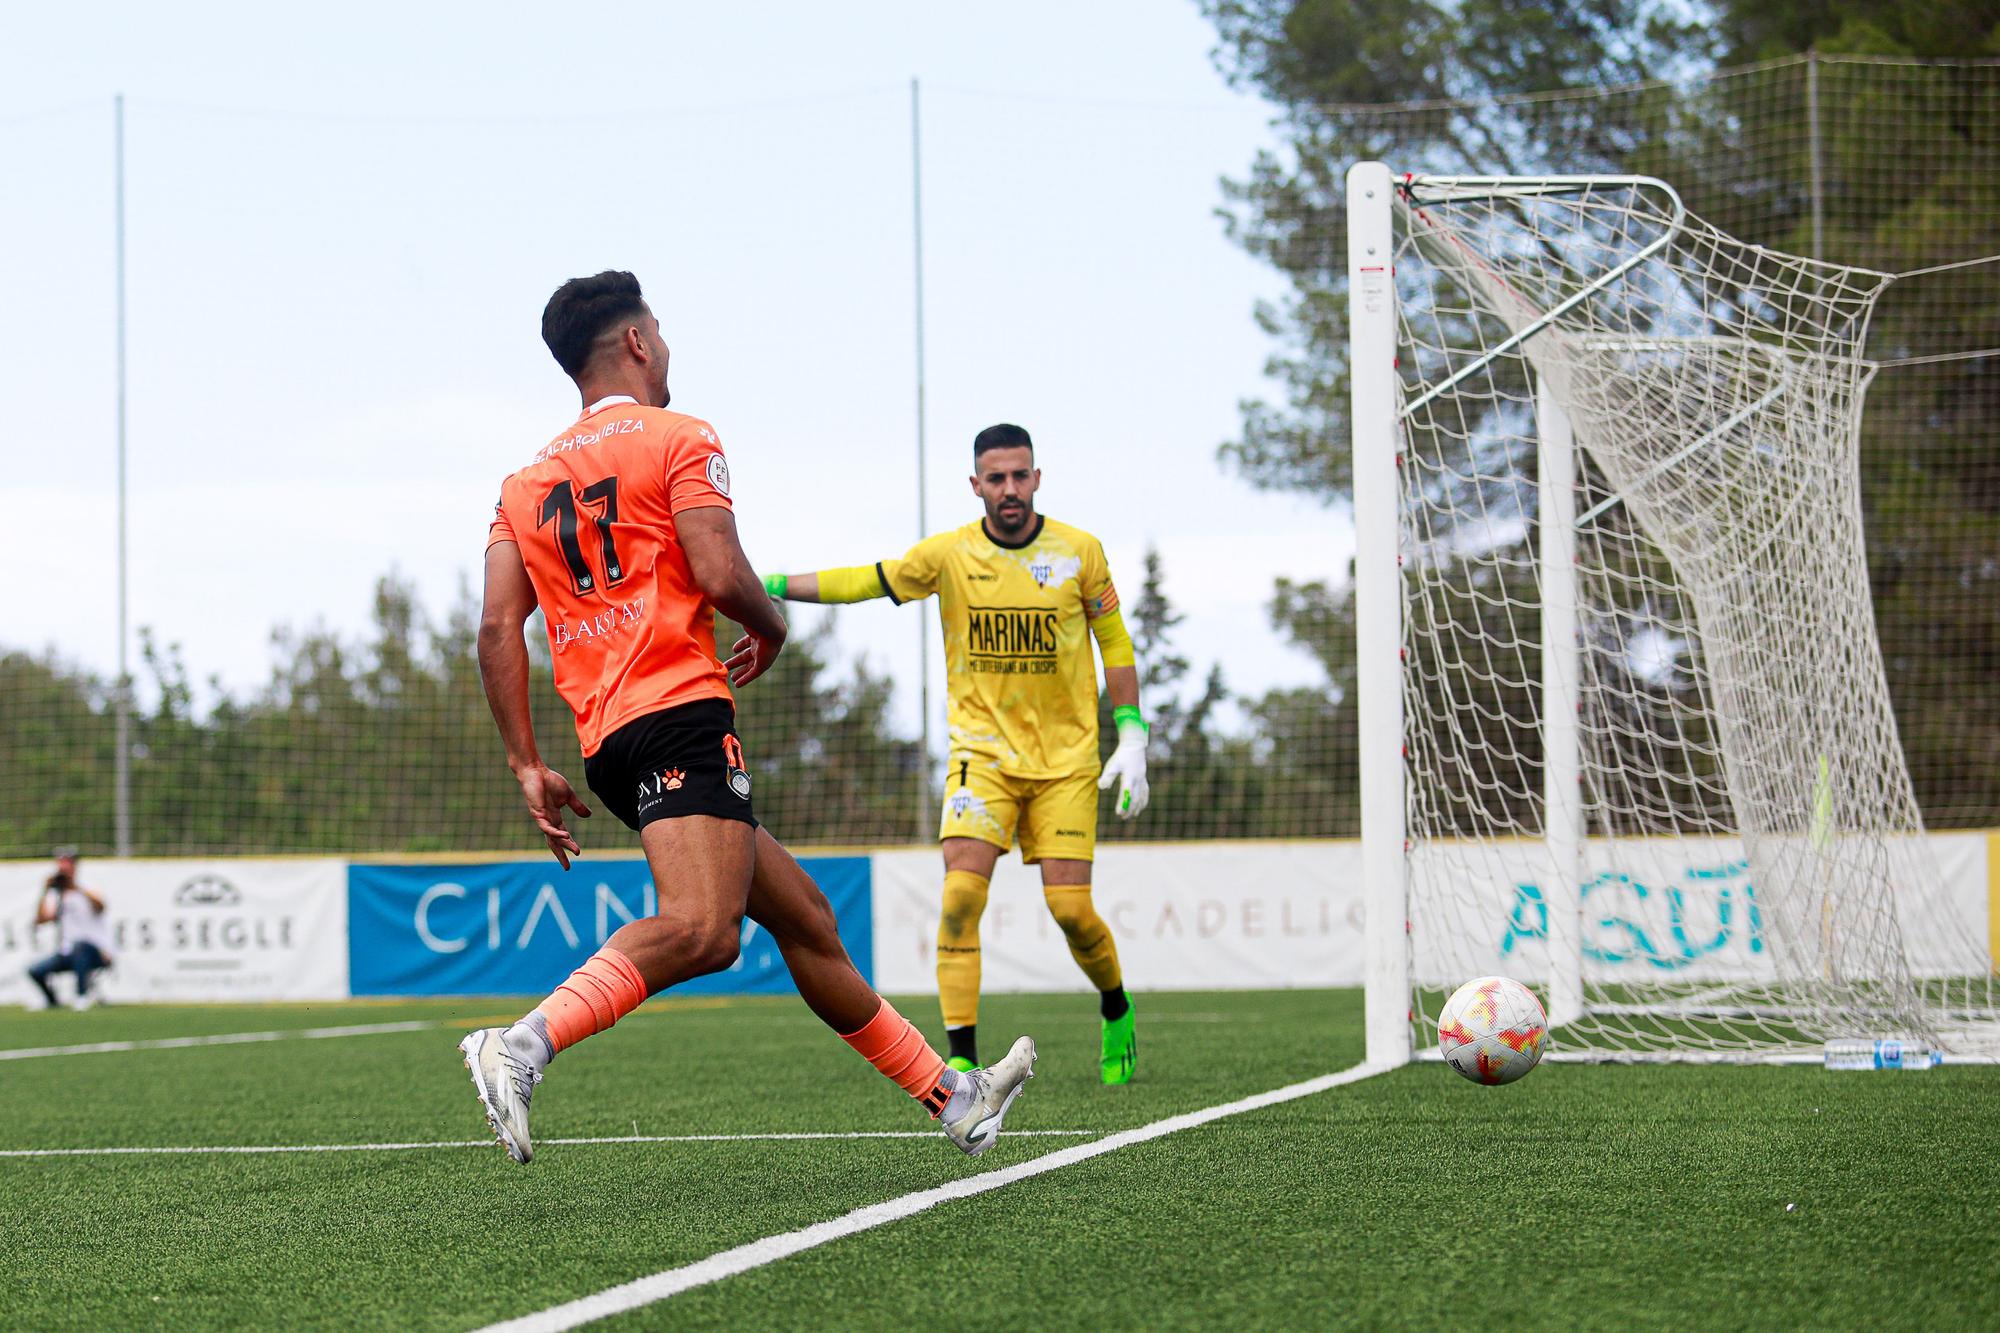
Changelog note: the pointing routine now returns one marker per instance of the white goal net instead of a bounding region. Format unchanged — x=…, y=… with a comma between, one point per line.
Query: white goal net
x=1648, y=761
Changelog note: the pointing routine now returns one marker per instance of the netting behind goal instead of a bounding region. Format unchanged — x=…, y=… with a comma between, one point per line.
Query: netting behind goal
x=1650, y=758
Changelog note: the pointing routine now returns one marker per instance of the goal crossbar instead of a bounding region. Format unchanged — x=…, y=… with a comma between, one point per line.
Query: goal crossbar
x=1449, y=186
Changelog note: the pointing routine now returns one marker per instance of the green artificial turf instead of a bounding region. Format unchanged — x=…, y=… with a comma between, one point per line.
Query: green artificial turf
x=1593, y=1196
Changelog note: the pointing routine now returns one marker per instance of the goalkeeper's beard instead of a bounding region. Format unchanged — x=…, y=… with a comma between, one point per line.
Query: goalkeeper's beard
x=1008, y=521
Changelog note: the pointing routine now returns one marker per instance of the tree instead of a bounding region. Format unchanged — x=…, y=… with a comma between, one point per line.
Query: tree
x=384, y=744
x=1270, y=779
x=1332, y=67
x=1909, y=171
x=1907, y=175
x=57, y=743
x=829, y=766
x=1751, y=30
x=1309, y=736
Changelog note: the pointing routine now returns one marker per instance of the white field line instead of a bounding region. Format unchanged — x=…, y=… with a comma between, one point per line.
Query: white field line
x=252, y=1150
x=365, y=1030
x=729, y=1263
x=219, y=1039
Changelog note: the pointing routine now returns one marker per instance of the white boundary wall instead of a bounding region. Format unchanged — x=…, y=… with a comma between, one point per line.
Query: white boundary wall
x=1187, y=916
x=1219, y=916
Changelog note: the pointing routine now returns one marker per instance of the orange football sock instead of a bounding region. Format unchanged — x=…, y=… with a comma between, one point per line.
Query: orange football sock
x=892, y=1045
x=605, y=989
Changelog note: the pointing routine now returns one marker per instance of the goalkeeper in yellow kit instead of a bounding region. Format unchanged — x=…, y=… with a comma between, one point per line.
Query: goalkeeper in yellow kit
x=1020, y=596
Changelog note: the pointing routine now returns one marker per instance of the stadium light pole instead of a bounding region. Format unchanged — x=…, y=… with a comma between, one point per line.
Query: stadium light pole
x=924, y=817
x=1814, y=160
x=122, y=700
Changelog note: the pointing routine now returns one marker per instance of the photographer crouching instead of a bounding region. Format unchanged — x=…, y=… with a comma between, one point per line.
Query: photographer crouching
x=83, y=938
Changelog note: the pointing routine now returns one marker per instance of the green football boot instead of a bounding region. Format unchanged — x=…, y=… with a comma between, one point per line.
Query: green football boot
x=1118, y=1056
x=961, y=1064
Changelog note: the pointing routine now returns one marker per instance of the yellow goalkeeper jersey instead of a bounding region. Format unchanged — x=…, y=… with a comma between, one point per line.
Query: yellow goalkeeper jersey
x=1016, y=641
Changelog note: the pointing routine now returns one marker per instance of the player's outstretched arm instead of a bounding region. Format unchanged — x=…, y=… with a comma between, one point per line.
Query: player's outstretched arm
x=723, y=573
x=858, y=583
x=503, y=670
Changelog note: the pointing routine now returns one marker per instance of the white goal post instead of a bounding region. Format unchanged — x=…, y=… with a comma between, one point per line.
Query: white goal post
x=1625, y=733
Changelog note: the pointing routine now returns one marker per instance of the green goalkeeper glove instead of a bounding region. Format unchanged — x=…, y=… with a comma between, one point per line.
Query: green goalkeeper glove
x=774, y=584
x=1127, y=764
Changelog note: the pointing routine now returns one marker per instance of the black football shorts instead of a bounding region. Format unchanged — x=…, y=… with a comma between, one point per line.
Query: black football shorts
x=680, y=761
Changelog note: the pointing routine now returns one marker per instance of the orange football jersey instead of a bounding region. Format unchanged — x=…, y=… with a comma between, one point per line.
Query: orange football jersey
x=593, y=514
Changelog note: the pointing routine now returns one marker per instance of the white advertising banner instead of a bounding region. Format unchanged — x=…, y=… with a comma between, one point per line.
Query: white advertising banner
x=1678, y=909
x=1187, y=916
x=193, y=930
x=1254, y=914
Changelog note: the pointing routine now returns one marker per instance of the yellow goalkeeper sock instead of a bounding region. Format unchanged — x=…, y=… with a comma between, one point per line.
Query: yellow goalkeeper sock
x=958, y=947
x=1089, y=937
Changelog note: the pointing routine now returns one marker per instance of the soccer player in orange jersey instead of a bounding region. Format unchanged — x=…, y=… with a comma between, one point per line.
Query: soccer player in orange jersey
x=620, y=530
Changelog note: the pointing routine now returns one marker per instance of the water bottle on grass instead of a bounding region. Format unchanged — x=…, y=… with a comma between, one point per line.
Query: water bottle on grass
x=1879, y=1053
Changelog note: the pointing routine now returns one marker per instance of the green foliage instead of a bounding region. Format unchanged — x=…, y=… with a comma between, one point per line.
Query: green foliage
x=1331, y=67
x=1285, y=770
x=829, y=766
x=1191, y=768
x=1750, y=30
x=57, y=747
x=386, y=745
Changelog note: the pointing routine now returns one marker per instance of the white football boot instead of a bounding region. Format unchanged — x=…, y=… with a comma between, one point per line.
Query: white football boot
x=993, y=1090
x=505, y=1084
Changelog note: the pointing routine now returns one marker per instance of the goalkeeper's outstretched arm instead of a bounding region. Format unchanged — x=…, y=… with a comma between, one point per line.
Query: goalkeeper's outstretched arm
x=1127, y=764
x=859, y=583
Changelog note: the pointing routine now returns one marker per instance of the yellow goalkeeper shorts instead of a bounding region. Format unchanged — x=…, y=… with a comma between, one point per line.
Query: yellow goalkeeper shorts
x=1056, y=818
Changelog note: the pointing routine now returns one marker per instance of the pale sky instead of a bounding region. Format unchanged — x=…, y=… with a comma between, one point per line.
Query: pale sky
x=343, y=222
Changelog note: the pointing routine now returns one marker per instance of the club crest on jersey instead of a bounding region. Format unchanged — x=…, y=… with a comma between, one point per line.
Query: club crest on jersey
x=718, y=473
x=1049, y=571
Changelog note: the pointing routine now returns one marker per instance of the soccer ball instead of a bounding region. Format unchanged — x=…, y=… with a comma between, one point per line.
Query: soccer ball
x=1492, y=1030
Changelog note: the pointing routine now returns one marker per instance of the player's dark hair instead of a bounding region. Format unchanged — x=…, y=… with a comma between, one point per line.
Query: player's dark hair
x=1002, y=436
x=582, y=309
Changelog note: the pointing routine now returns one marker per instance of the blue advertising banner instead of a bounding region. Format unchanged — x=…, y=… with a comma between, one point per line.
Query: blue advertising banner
x=521, y=927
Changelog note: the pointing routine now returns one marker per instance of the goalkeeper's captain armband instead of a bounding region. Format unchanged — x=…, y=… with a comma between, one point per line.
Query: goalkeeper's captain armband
x=1115, y=644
